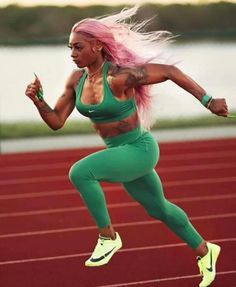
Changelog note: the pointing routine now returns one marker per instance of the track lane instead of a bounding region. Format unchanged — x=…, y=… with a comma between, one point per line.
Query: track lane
x=155, y=264
x=52, y=219
x=73, y=200
x=72, y=241
x=71, y=271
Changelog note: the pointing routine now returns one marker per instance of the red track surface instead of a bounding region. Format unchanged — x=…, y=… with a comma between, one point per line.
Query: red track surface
x=46, y=233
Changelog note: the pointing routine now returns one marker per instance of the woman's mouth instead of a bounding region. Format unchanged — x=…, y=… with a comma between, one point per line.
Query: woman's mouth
x=76, y=62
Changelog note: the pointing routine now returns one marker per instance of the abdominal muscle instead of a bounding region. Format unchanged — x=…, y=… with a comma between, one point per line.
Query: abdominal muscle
x=107, y=130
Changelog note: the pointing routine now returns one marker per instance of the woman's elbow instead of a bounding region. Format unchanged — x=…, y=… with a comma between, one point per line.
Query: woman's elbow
x=174, y=72
x=58, y=122
x=170, y=71
x=55, y=126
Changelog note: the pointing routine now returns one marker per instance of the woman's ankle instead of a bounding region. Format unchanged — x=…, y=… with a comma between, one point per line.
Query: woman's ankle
x=202, y=249
x=108, y=232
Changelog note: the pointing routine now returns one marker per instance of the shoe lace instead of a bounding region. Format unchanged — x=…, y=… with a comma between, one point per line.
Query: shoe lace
x=99, y=245
x=101, y=241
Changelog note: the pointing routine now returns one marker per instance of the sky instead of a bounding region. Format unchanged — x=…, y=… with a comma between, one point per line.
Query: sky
x=92, y=2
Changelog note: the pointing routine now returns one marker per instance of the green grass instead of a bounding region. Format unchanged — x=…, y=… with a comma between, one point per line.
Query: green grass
x=204, y=121
x=40, y=129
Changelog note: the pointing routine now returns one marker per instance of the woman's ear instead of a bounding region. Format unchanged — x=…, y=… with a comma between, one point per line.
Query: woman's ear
x=96, y=46
x=99, y=46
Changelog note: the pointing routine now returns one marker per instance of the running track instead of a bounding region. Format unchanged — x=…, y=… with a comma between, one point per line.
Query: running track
x=46, y=233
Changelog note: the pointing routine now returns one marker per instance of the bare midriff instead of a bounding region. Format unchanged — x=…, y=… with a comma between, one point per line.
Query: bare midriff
x=107, y=130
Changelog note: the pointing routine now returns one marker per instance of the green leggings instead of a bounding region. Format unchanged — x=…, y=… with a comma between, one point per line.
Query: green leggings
x=130, y=159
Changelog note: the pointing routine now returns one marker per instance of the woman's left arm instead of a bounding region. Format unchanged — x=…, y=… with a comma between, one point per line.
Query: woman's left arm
x=156, y=73
x=216, y=106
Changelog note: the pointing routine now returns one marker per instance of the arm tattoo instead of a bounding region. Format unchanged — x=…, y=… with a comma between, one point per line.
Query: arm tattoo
x=135, y=76
x=45, y=109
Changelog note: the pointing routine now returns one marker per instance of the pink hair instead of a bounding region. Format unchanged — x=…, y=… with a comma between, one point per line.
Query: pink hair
x=124, y=44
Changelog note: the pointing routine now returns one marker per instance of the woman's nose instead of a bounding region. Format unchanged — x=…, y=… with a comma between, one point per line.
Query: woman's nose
x=73, y=53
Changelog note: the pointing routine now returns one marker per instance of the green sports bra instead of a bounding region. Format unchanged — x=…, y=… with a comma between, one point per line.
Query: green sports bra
x=110, y=109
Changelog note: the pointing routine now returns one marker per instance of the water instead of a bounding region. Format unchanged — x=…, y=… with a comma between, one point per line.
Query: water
x=210, y=64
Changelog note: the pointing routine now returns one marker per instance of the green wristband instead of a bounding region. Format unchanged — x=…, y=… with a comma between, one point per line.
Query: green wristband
x=39, y=94
x=205, y=99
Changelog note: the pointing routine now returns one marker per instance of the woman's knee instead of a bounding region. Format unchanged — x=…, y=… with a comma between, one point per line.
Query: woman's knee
x=79, y=173
x=72, y=173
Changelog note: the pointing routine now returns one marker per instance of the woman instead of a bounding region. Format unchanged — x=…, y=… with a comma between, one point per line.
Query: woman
x=111, y=88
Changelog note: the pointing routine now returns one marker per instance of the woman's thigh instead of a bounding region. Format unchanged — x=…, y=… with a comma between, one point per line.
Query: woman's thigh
x=123, y=163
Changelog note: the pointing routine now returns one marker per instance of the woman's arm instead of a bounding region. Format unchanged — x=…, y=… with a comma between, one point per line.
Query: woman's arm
x=55, y=118
x=156, y=73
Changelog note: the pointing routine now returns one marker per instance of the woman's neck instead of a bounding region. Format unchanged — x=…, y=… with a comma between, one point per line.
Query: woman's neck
x=93, y=74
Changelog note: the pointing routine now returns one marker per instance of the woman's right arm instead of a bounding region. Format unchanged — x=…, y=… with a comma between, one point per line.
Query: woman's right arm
x=55, y=118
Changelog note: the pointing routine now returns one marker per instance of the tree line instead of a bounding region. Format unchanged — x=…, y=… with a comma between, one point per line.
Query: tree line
x=52, y=24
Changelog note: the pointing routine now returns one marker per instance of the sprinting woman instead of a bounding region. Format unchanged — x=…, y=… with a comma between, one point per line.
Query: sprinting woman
x=116, y=65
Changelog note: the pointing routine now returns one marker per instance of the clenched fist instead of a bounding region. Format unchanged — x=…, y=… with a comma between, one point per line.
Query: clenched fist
x=34, y=90
x=219, y=107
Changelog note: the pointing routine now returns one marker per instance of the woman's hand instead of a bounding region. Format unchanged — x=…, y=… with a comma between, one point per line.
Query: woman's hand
x=34, y=90
x=218, y=107
x=55, y=117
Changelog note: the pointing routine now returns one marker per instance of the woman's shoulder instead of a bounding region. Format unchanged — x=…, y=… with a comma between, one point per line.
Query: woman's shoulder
x=117, y=70
x=113, y=72
x=77, y=73
x=75, y=77
x=118, y=75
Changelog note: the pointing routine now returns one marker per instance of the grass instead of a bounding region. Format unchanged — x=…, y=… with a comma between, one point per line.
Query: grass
x=40, y=129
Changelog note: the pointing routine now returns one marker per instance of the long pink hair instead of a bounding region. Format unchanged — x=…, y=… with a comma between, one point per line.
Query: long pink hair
x=125, y=44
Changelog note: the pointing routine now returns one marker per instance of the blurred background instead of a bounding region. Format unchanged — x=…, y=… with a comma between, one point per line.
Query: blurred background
x=33, y=38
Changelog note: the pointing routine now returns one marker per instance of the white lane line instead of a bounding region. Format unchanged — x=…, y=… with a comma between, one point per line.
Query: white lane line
x=201, y=153
x=77, y=255
x=37, y=194
x=117, y=225
x=199, y=181
x=203, y=198
x=68, y=191
x=34, y=179
x=144, y=248
x=113, y=205
x=164, y=279
x=34, y=167
x=52, y=193
x=196, y=167
x=64, y=155
x=55, y=166
x=40, y=212
x=66, y=179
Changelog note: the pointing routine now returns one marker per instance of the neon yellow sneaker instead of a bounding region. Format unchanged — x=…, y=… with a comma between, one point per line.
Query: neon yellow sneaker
x=104, y=250
x=207, y=264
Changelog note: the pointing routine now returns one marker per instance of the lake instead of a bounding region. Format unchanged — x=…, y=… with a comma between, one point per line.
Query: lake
x=211, y=64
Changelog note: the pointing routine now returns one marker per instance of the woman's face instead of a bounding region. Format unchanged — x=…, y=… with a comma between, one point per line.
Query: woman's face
x=84, y=50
